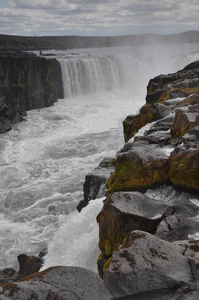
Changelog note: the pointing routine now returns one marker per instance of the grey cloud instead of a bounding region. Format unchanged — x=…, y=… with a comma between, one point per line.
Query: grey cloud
x=99, y=17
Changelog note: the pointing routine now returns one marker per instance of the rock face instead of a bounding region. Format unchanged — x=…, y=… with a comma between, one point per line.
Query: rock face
x=95, y=182
x=145, y=263
x=141, y=164
x=124, y=212
x=145, y=248
x=27, y=82
x=61, y=283
x=138, y=167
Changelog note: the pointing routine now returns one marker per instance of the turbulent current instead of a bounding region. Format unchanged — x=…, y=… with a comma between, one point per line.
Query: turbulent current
x=43, y=161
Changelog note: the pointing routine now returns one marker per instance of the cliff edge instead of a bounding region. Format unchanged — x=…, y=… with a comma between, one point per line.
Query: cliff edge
x=26, y=82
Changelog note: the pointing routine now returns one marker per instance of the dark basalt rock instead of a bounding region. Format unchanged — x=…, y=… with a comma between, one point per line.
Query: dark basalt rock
x=95, y=182
x=27, y=82
x=126, y=211
x=154, y=96
x=145, y=263
x=60, y=283
x=29, y=265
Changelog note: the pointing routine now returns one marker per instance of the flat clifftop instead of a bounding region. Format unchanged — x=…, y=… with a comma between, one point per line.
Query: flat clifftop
x=12, y=42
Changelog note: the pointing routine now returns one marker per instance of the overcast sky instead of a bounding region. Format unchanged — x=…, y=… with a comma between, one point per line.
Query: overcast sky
x=97, y=17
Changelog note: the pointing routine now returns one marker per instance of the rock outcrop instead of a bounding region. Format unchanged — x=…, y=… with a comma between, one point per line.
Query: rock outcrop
x=26, y=82
x=145, y=248
x=145, y=264
x=95, y=182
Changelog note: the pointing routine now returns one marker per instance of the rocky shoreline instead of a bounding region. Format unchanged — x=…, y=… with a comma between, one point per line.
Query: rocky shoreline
x=146, y=250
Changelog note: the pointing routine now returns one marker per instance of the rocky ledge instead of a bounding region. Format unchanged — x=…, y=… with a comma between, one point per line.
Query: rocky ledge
x=146, y=246
x=26, y=82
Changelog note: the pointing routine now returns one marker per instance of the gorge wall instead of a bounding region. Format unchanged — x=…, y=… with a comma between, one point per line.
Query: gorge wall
x=27, y=82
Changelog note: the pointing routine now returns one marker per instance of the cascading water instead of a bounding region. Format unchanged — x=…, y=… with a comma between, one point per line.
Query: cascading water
x=93, y=74
x=44, y=160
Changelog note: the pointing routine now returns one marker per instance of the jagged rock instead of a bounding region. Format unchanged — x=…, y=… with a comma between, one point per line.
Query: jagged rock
x=175, y=227
x=163, y=124
x=126, y=211
x=145, y=264
x=132, y=124
x=180, y=84
x=183, y=170
x=61, y=283
x=154, y=96
x=29, y=265
x=184, y=122
x=155, y=137
x=139, y=166
x=95, y=182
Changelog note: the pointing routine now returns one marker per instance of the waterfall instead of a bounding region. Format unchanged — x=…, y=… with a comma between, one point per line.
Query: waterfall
x=96, y=73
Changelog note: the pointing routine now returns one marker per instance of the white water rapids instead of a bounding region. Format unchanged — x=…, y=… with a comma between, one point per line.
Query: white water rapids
x=43, y=161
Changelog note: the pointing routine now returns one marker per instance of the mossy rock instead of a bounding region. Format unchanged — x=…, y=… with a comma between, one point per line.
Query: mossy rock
x=131, y=125
x=191, y=100
x=177, y=92
x=184, y=170
x=184, y=122
x=123, y=212
x=131, y=176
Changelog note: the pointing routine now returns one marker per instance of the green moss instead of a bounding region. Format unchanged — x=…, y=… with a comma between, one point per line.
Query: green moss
x=184, y=170
x=131, y=176
x=184, y=91
x=108, y=248
x=107, y=264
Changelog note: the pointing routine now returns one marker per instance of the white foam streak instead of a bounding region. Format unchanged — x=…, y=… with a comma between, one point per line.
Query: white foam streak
x=75, y=241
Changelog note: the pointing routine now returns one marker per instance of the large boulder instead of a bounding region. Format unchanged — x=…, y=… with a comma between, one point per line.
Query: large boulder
x=138, y=167
x=61, y=283
x=126, y=211
x=146, y=264
x=183, y=123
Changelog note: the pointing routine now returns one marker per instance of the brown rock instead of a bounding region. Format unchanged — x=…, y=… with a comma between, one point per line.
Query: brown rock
x=184, y=170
